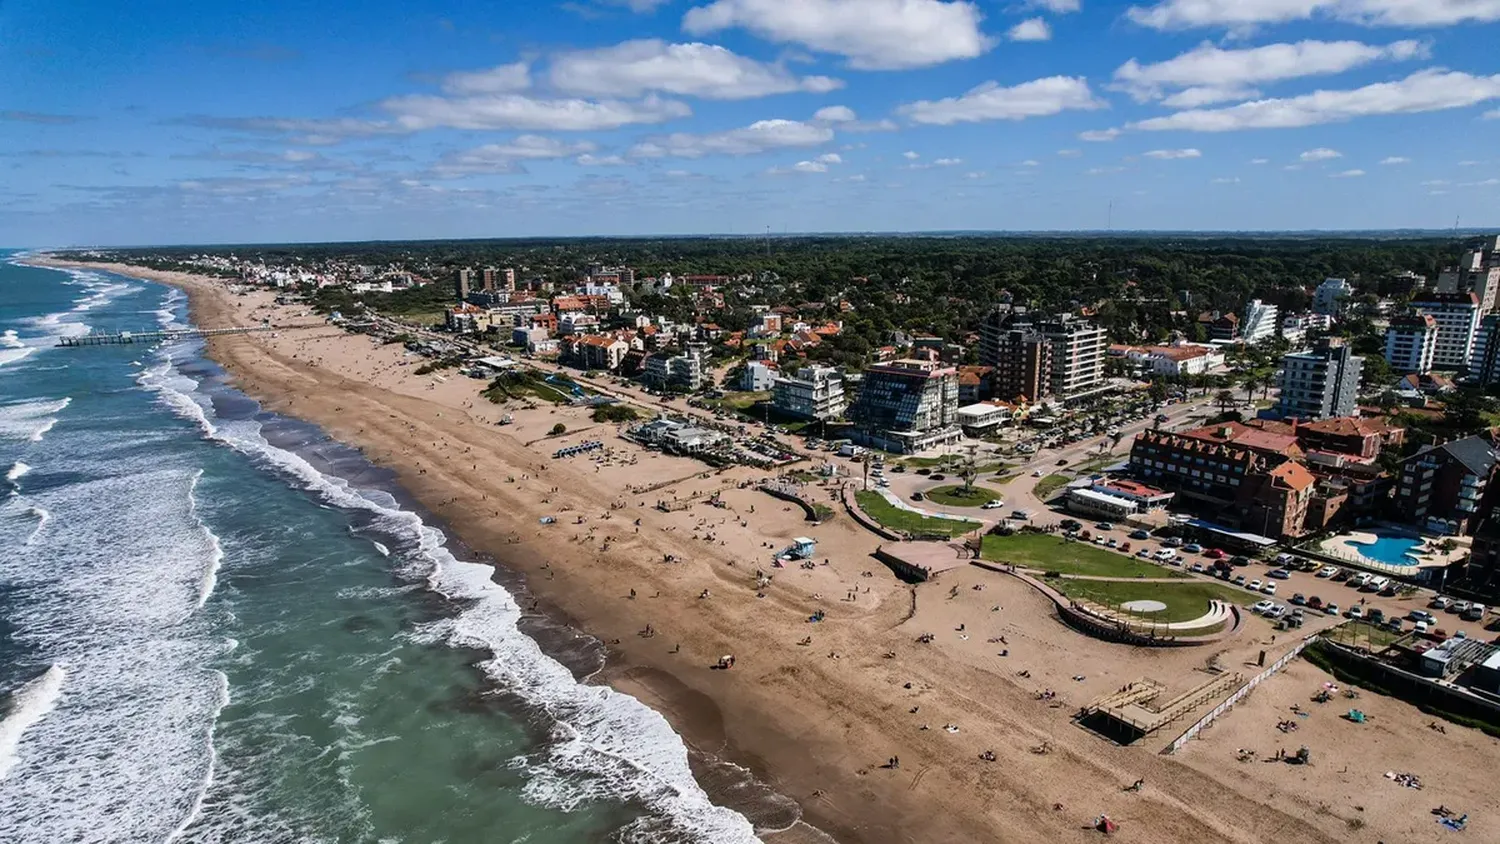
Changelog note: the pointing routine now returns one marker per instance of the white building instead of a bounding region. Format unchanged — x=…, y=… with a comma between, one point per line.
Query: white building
x=1321, y=383
x=1411, y=342
x=683, y=372
x=817, y=392
x=1184, y=360
x=1473, y=275
x=982, y=418
x=1296, y=327
x=1457, y=316
x=756, y=377
x=1078, y=353
x=1330, y=297
x=1260, y=322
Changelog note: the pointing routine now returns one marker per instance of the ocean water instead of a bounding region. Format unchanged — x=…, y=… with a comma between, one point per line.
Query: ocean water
x=217, y=625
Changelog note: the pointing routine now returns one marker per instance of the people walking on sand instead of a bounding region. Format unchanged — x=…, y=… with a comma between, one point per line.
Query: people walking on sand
x=632, y=594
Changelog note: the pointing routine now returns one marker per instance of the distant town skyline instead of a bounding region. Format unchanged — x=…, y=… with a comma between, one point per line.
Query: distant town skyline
x=192, y=124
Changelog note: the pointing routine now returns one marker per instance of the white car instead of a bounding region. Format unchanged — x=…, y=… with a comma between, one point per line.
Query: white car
x=1268, y=589
x=1255, y=586
x=992, y=505
x=1261, y=606
x=1328, y=571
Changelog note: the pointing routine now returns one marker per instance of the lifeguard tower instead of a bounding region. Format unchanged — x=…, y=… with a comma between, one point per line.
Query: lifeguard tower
x=802, y=548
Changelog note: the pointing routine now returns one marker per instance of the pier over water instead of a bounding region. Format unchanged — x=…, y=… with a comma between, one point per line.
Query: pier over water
x=125, y=338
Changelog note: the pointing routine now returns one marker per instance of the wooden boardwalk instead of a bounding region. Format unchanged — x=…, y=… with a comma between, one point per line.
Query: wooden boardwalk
x=126, y=338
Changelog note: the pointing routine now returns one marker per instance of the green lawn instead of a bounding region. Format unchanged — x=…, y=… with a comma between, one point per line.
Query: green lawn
x=1050, y=484
x=954, y=495
x=1097, y=463
x=1185, y=601
x=895, y=518
x=1053, y=553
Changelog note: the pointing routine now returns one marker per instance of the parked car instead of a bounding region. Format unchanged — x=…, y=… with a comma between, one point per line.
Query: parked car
x=1062, y=461
x=1144, y=553
x=924, y=471
x=1440, y=603
x=1421, y=615
x=1341, y=575
x=1390, y=589
x=1192, y=548
x=1214, y=554
x=1376, y=615
x=1100, y=539
x=1262, y=606
x=1020, y=514
x=1331, y=608
x=1276, y=611
x=1239, y=560
x=1112, y=542
x=1328, y=571
x=1255, y=584
x=1299, y=599
x=1279, y=574
x=1393, y=624
x=1475, y=612
x=1070, y=524
x=1105, y=526
x=1198, y=568
x=1421, y=627
x=1355, y=611
x=1140, y=534
x=1239, y=580
x=1459, y=607
x=1172, y=542
x=937, y=476
x=1315, y=602
x=917, y=496
x=1269, y=588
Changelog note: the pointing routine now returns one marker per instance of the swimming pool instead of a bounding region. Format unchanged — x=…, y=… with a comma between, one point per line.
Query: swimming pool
x=1393, y=550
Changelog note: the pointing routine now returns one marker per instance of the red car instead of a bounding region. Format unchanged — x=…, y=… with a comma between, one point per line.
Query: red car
x=1214, y=554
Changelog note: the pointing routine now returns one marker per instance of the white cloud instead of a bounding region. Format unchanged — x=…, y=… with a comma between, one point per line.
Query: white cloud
x=1260, y=161
x=947, y=162
x=1320, y=154
x=1395, y=159
x=1103, y=171
x=514, y=111
x=1427, y=90
x=503, y=158
x=911, y=155
x=1486, y=183
x=695, y=70
x=836, y=114
x=640, y=7
x=1031, y=162
x=872, y=34
x=1347, y=174
x=1037, y=98
x=505, y=79
x=1208, y=74
x=1099, y=135
x=857, y=177
x=1033, y=29
x=1172, y=154
x=830, y=158
x=760, y=136
x=810, y=167
x=1492, y=115
x=1242, y=14
x=1060, y=7
x=588, y=160
x=1225, y=180
x=1434, y=183
x=847, y=121
x=1069, y=153
x=975, y=175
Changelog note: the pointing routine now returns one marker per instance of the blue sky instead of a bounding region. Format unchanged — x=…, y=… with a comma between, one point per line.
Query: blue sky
x=170, y=122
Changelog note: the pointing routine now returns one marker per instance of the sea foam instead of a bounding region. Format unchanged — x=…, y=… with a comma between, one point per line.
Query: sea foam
x=30, y=419
x=606, y=744
x=29, y=704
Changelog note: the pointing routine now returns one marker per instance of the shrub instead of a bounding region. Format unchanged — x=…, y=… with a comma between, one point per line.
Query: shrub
x=615, y=413
x=558, y=430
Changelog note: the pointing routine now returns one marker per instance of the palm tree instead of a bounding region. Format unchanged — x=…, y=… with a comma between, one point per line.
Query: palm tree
x=1225, y=400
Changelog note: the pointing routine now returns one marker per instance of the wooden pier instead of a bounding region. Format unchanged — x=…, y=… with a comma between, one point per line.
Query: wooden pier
x=126, y=338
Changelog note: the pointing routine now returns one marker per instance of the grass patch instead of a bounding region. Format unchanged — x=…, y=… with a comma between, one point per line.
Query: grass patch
x=1096, y=464
x=1050, y=484
x=1185, y=601
x=955, y=495
x=615, y=413
x=822, y=512
x=1053, y=553
x=1364, y=634
x=738, y=402
x=895, y=518
x=523, y=384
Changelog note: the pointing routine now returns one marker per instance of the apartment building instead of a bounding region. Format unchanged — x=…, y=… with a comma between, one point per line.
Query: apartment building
x=1441, y=486
x=1296, y=328
x=816, y=392
x=462, y=281
x=1476, y=273
x=1457, y=316
x=1078, y=353
x=1321, y=383
x=1484, y=362
x=668, y=371
x=1411, y=343
x=1330, y=297
x=907, y=406
x=1260, y=322
x=1036, y=357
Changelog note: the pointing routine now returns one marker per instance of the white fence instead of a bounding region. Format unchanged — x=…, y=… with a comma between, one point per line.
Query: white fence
x=1191, y=732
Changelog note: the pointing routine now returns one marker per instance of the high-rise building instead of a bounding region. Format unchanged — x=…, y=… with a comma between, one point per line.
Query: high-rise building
x=1079, y=348
x=1018, y=353
x=1442, y=485
x=461, y=283
x=1330, y=297
x=1260, y=322
x=488, y=276
x=816, y=392
x=507, y=278
x=1484, y=363
x=1321, y=383
x=1457, y=316
x=1474, y=274
x=683, y=371
x=1410, y=343
x=907, y=405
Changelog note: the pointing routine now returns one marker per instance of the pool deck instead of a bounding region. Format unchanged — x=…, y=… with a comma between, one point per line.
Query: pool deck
x=1348, y=546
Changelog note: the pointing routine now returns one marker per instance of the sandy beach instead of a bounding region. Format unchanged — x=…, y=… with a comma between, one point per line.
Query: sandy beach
x=818, y=722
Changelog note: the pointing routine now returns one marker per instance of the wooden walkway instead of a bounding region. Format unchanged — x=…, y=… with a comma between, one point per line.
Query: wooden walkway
x=126, y=338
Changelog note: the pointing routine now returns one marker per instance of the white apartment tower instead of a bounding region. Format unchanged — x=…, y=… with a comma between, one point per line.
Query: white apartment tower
x=1322, y=383
x=817, y=392
x=1411, y=343
x=1330, y=296
x=1260, y=322
x=1079, y=348
x=1457, y=316
x=1476, y=275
